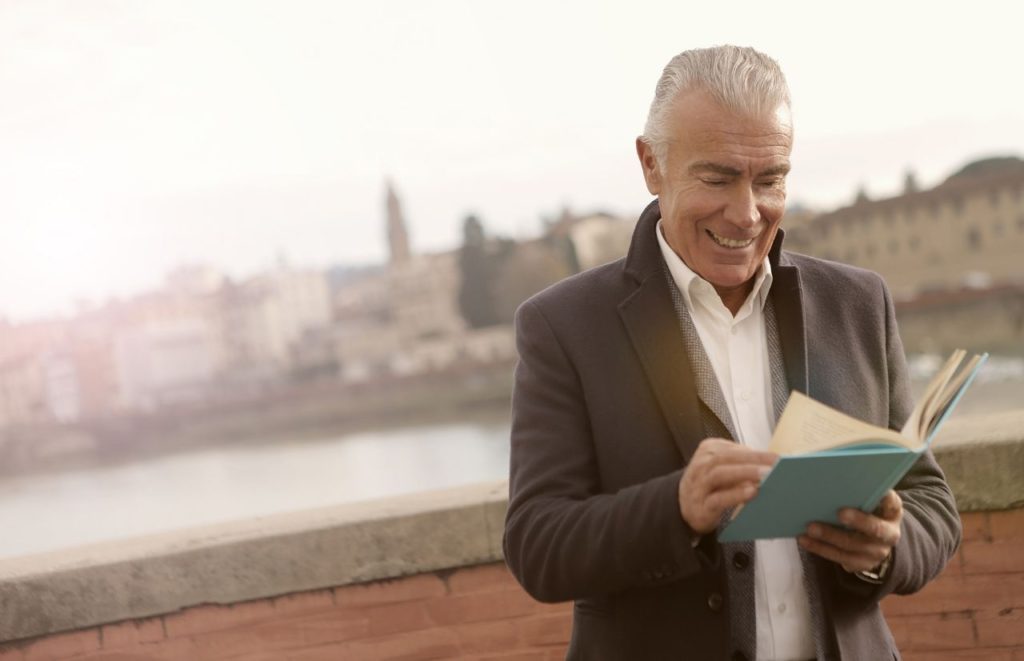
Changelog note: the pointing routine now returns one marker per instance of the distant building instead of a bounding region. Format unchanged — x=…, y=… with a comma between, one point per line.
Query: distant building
x=423, y=295
x=967, y=230
x=398, y=233
x=167, y=361
x=267, y=317
x=597, y=238
x=167, y=346
x=366, y=339
x=54, y=371
x=979, y=319
x=22, y=391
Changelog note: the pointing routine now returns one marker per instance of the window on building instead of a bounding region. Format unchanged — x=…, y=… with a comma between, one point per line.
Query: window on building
x=973, y=238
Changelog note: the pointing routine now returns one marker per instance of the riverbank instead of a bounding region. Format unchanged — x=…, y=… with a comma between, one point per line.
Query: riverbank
x=306, y=412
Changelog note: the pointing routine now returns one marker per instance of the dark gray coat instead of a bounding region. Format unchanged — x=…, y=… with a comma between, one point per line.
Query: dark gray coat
x=606, y=415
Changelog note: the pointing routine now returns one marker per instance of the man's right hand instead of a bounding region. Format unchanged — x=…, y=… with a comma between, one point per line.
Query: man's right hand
x=721, y=474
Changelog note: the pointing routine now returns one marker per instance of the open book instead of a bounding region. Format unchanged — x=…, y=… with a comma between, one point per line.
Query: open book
x=829, y=460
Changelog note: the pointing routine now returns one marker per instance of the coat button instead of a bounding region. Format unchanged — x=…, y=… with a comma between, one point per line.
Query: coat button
x=715, y=602
x=740, y=560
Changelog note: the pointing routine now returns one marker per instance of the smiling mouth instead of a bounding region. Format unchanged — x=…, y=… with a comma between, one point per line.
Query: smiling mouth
x=729, y=243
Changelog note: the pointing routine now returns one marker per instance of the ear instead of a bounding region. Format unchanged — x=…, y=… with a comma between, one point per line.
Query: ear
x=649, y=165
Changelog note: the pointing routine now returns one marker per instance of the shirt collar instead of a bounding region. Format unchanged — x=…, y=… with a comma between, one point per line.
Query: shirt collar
x=689, y=282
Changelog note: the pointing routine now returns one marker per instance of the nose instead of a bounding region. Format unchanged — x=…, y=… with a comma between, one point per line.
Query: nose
x=742, y=208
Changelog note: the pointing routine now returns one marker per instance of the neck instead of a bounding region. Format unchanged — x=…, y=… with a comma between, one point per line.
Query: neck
x=734, y=297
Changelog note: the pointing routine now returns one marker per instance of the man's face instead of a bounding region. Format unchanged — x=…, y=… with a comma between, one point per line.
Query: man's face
x=722, y=191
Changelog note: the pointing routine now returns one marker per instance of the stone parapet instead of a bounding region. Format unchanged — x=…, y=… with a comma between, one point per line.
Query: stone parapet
x=243, y=561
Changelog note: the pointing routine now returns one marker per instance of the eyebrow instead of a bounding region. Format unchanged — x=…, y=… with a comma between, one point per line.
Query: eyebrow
x=718, y=168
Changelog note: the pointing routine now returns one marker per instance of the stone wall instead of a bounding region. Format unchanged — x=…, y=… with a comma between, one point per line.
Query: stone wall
x=420, y=577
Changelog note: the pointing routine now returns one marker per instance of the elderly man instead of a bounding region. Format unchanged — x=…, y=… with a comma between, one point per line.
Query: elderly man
x=647, y=390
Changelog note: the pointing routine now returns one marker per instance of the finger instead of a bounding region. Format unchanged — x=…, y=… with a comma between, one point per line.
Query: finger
x=850, y=549
x=871, y=526
x=850, y=561
x=847, y=540
x=724, y=476
x=730, y=452
x=719, y=501
x=890, y=507
x=703, y=511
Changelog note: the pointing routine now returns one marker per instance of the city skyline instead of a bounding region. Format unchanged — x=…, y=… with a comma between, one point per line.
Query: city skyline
x=150, y=135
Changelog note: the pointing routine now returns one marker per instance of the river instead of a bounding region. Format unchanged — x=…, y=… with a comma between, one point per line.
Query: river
x=49, y=511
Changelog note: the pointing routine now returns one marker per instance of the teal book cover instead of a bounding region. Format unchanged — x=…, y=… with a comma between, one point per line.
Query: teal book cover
x=856, y=472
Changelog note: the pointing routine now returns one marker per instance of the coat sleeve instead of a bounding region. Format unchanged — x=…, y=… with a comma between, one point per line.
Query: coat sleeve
x=564, y=538
x=930, y=531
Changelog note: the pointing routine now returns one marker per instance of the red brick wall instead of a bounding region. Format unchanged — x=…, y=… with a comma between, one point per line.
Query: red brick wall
x=975, y=610
x=471, y=613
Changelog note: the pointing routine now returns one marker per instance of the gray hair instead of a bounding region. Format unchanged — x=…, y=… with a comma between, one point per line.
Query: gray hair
x=741, y=79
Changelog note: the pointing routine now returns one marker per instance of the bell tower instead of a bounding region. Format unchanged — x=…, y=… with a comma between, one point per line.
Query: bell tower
x=398, y=235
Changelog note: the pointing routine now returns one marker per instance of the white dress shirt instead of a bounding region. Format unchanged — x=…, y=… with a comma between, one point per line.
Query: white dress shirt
x=737, y=347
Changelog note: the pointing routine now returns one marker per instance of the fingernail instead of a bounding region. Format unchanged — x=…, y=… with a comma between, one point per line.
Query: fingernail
x=813, y=531
x=845, y=517
x=763, y=472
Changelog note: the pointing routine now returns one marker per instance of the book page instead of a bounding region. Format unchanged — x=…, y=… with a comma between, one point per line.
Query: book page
x=918, y=422
x=810, y=426
x=948, y=394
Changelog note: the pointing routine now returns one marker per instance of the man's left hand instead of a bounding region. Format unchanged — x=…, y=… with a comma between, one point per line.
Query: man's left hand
x=867, y=540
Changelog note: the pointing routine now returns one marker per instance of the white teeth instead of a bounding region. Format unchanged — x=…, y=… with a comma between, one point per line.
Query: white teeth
x=729, y=243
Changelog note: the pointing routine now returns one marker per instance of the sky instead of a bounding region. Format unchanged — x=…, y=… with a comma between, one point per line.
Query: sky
x=138, y=136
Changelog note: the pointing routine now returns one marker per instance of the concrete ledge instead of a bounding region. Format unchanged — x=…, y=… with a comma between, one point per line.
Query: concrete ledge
x=983, y=457
x=251, y=559
x=329, y=547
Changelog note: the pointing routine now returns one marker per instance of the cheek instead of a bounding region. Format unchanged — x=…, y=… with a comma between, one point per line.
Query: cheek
x=773, y=204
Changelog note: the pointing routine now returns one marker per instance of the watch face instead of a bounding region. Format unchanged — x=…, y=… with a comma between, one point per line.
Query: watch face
x=879, y=572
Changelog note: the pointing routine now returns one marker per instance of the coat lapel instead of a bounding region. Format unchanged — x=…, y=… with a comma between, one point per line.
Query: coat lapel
x=786, y=295
x=708, y=388
x=653, y=330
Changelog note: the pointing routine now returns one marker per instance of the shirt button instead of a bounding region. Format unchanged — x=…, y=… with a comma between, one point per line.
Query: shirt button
x=735, y=330
x=781, y=608
x=745, y=395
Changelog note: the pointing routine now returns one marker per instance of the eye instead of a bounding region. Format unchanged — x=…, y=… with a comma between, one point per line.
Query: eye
x=715, y=183
x=774, y=182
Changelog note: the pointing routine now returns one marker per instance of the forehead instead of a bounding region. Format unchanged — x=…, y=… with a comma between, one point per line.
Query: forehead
x=700, y=128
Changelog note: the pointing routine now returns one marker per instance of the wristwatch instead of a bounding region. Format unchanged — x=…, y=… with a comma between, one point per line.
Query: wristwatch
x=877, y=574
